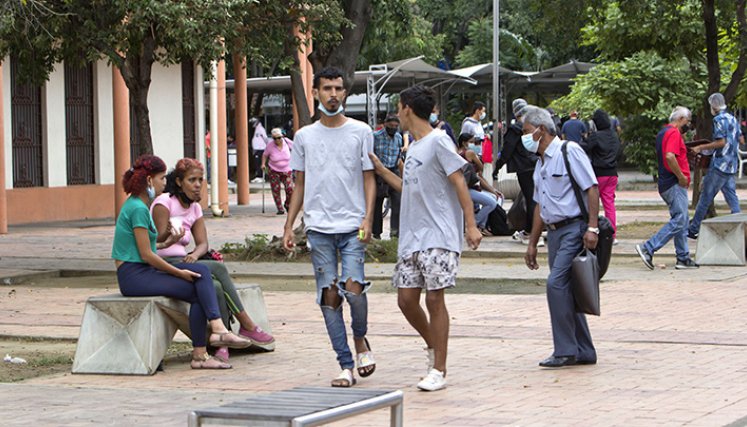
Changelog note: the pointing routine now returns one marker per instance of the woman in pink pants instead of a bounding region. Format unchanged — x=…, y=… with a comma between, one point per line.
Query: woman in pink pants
x=603, y=148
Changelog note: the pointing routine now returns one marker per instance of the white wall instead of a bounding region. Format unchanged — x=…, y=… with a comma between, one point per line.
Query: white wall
x=166, y=122
x=7, y=131
x=164, y=102
x=103, y=116
x=53, y=128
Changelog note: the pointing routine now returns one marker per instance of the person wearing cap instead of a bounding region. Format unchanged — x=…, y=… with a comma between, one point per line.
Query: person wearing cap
x=574, y=129
x=517, y=159
x=277, y=156
x=387, y=147
x=724, y=166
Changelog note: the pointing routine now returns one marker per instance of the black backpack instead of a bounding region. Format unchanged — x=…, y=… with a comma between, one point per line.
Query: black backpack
x=498, y=222
x=605, y=240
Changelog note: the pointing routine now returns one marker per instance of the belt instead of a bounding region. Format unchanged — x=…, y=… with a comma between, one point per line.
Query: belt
x=563, y=223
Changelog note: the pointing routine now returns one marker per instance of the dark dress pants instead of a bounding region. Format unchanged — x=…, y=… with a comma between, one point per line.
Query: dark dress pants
x=384, y=190
x=526, y=183
x=570, y=332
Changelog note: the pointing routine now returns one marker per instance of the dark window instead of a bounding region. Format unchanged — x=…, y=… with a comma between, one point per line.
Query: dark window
x=79, y=124
x=188, y=109
x=26, y=116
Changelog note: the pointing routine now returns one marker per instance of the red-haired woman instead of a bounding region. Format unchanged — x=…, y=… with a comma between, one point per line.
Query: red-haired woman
x=177, y=213
x=141, y=272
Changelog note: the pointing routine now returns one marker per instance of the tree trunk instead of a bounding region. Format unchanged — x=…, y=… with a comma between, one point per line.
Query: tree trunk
x=297, y=85
x=345, y=55
x=137, y=76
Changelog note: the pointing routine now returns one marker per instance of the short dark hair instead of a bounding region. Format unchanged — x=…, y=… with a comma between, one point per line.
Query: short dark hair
x=464, y=138
x=477, y=105
x=392, y=118
x=420, y=99
x=329, y=73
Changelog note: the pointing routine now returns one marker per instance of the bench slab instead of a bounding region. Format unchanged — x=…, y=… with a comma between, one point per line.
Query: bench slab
x=722, y=240
x=130, y=335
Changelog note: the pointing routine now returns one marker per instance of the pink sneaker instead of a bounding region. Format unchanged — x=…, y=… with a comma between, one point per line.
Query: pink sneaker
x=257, y=336
x=221, y=354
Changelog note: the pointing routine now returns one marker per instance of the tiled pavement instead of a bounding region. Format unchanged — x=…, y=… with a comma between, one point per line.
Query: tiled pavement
x=672, y=346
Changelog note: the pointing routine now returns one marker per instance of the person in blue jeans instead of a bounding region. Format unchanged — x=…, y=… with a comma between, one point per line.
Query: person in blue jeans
x=141, y=272
x=724, y=166
x=674, y=179
x=336, y=186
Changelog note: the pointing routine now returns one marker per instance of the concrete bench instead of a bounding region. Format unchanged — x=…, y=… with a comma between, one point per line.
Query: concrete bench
x=303, y=406
x=130, y=335
x=722, y=240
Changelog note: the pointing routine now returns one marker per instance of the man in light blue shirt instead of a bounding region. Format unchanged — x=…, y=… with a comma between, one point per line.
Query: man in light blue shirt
x=568, y=233
x=724, y=163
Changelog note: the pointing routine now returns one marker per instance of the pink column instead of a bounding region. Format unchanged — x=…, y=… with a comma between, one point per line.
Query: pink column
x=121, y=104
x=220, y=150
x=241, y=119
x=3, y=196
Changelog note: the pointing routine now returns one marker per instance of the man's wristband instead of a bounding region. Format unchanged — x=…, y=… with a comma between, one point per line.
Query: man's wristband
x=594, y=230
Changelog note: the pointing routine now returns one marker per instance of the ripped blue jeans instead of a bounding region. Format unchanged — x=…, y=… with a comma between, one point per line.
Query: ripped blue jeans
x=324, y=255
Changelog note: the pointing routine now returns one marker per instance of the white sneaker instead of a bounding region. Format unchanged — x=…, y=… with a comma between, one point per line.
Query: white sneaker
x=433, y=381
x=521, y=236
x=615, y=242
x=541, y=242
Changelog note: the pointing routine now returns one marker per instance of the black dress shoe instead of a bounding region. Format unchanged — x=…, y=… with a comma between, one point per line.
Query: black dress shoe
x=586, y=362
x=558, y=361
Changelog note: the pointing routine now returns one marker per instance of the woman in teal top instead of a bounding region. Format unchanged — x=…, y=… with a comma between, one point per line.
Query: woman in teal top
x=141, y=272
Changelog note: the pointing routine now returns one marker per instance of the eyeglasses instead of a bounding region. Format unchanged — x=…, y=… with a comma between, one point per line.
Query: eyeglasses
x=276, y=137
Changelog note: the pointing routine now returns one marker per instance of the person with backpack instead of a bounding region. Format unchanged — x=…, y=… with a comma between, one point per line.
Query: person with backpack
x=567, y=234
x=517, y=159
x=603, y=148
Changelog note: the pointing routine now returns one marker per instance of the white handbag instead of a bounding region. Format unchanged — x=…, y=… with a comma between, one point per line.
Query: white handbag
x=508, y=184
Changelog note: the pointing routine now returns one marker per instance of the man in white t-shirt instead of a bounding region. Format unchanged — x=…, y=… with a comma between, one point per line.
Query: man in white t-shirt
x=473, y=123
x=336, y=187
x=435, y=207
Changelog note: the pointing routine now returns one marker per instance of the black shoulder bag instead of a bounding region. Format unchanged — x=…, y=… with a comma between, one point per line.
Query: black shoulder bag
x=604, y=243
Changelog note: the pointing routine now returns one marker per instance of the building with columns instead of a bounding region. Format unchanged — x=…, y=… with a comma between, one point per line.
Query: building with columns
x=58, y=139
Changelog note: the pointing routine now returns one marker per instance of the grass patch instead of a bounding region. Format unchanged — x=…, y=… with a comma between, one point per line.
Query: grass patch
x=262, y=248
x=44, y=357
x=639, y=229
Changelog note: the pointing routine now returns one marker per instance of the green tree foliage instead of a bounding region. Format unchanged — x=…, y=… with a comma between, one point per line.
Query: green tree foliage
x=397, y=31
x=516, y=52
x=658, y=54
x=644, y=88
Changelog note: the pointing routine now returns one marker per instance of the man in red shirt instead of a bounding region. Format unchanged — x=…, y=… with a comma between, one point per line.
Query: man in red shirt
x=674, y=178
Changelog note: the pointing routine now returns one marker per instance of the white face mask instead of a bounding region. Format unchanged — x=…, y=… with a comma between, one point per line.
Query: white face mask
x=527, y=140
x=433, y=118
x=330, y=113
x=483, y=115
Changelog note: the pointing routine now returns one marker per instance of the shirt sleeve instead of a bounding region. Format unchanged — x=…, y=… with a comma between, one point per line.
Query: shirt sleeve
x=298, y=159
x=447, y=157
x=140, y=217
x=670, y=143
x=367, y=147
x=581, y=167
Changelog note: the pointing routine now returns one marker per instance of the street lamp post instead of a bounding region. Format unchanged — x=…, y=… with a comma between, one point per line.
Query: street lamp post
x=496, y=78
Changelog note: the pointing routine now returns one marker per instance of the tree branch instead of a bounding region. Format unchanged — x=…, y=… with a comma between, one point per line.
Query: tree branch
x=731, y=89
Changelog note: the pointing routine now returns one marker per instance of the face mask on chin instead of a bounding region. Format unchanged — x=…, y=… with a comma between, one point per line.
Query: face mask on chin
x=328, y=113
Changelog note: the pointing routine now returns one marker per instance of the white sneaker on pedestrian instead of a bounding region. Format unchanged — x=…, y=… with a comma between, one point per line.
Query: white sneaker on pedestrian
x=541, y=242
x=615, y=242
x=433, y=381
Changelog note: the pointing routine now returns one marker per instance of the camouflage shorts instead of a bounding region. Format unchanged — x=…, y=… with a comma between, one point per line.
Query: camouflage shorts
x=431, y=269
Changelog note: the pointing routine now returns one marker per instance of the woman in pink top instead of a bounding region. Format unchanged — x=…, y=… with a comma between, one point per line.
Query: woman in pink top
x=278, y=155
x=177, y=212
